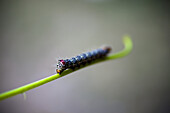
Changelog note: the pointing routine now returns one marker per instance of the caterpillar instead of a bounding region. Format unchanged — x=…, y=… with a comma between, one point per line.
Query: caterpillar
x=82, y=59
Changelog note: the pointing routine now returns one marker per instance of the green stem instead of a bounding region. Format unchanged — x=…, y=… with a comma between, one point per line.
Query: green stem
x=127, y=49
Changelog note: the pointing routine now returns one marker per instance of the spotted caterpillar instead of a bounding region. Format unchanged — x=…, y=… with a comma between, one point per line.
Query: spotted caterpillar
x=81, y=59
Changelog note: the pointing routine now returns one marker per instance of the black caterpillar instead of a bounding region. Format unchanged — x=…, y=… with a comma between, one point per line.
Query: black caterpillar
x=81, y=59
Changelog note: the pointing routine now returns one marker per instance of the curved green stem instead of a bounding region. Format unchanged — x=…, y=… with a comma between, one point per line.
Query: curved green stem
x=128, y=47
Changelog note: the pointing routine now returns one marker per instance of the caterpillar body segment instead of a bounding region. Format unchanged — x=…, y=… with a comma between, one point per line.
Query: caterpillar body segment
x=82, y=59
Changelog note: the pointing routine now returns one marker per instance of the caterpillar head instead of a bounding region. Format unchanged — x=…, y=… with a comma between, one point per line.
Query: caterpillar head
x=60, y=66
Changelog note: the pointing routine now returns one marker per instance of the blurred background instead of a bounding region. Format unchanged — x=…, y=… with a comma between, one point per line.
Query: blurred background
x=35, y=33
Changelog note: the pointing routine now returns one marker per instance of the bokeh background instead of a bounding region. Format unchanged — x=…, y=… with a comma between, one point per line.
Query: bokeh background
x=34, y=34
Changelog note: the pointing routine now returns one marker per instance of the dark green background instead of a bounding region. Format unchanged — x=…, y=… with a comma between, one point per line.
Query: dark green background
x=33, y=34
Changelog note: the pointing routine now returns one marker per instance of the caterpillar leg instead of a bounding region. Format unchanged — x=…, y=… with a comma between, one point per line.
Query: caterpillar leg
x=73, y=68
x=78, y=65
x=60, y=72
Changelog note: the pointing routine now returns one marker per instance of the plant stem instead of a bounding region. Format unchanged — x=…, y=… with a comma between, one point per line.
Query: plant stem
x=127, y=49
